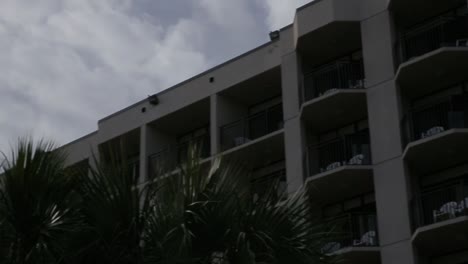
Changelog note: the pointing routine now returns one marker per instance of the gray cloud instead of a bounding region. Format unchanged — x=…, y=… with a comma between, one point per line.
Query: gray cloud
x=279, y=12
x=66, y=63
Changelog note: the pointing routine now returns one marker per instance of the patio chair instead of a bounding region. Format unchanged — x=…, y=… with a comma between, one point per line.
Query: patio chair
x=367, y=239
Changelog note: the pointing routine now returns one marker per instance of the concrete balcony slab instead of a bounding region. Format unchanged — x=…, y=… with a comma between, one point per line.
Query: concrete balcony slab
x=440, y=151
x=432, y=71
x=353, y=255
x=340, y=183
x=336, y=108
x=442, y=237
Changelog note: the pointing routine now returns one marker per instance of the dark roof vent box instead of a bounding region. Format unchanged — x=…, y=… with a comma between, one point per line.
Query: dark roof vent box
x=274, y=35
x=153, y=99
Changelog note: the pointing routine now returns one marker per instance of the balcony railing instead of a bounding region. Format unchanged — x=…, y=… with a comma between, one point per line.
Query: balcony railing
x=343, y=74
x=168, y=158
x=349, y=150
x=351, y=230
x=440, y=204
x=252, y=127
x=261, y=185
x=133, y=166
x=450, y=29
x=433, y=119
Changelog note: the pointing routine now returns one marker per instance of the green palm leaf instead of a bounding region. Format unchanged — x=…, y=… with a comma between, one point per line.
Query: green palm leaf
x=36, y=205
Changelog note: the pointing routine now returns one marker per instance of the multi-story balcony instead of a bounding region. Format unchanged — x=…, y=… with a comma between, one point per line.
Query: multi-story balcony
x=336, y=165
x=434, y=53
x=436, y=135
x=333, y=94
x=447, y=30
x=169, y=157
x=262, y=183
x=123, y=149
x=441, y=219
x=354, y=238
x=338, y=75
x=169, y=138
x=252, y=127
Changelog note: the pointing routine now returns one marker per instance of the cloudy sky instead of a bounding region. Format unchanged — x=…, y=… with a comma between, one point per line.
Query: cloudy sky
x=65, y=64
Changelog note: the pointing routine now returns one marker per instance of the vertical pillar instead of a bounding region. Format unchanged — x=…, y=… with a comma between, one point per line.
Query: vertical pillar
x=143, y=153
x=214, y=131
x=293, y=141
x=391, y=186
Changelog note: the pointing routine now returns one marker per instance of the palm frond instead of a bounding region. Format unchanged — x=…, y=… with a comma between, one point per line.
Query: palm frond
x=36, y=204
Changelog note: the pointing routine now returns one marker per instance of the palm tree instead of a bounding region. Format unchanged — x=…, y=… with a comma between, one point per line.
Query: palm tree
x=107, y=214
x=213, y=216
x=37, y=204
x=114, y=208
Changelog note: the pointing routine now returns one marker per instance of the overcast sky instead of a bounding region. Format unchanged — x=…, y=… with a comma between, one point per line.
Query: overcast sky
x=65, y=64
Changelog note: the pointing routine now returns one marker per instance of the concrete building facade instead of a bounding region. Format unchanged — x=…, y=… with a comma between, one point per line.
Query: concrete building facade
x=363, y=101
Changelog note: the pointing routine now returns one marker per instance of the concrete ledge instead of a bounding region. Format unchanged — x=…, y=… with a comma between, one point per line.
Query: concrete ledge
x=338, y=107
x=340, y=183
x=440, y=151
x=270, y=146
x=442, y=237
x=419, y=75
x=353, y=255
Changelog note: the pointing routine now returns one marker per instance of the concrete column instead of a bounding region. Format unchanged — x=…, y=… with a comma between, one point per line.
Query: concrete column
x=390, y=181
x=214, y=131
x=291, y=83
x=294, y=151
x=144, y=153
x=290, y=76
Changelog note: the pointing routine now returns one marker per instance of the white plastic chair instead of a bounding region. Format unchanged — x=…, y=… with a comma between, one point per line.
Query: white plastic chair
x=240, y=140
x=368, y=239
x=450, y=209
x=462, y=43
x=432, y=131
x=333, y=166
x=356, y=160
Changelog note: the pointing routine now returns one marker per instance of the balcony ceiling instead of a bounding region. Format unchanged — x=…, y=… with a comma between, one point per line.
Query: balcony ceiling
x=408, y=13
x=330, y=42
x=257, y=89
x=419, y=76
x=194, y=116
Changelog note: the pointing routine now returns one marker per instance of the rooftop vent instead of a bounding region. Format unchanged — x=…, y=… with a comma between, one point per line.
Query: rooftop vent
x=274, y=35
x=153, y=99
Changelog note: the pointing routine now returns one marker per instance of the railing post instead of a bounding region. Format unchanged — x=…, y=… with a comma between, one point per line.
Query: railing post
x=245, y=128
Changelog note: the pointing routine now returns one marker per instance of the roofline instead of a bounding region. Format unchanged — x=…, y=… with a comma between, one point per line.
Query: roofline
x=191, y=79
x=211, y=69
x=79, y=139
x=313, y=2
